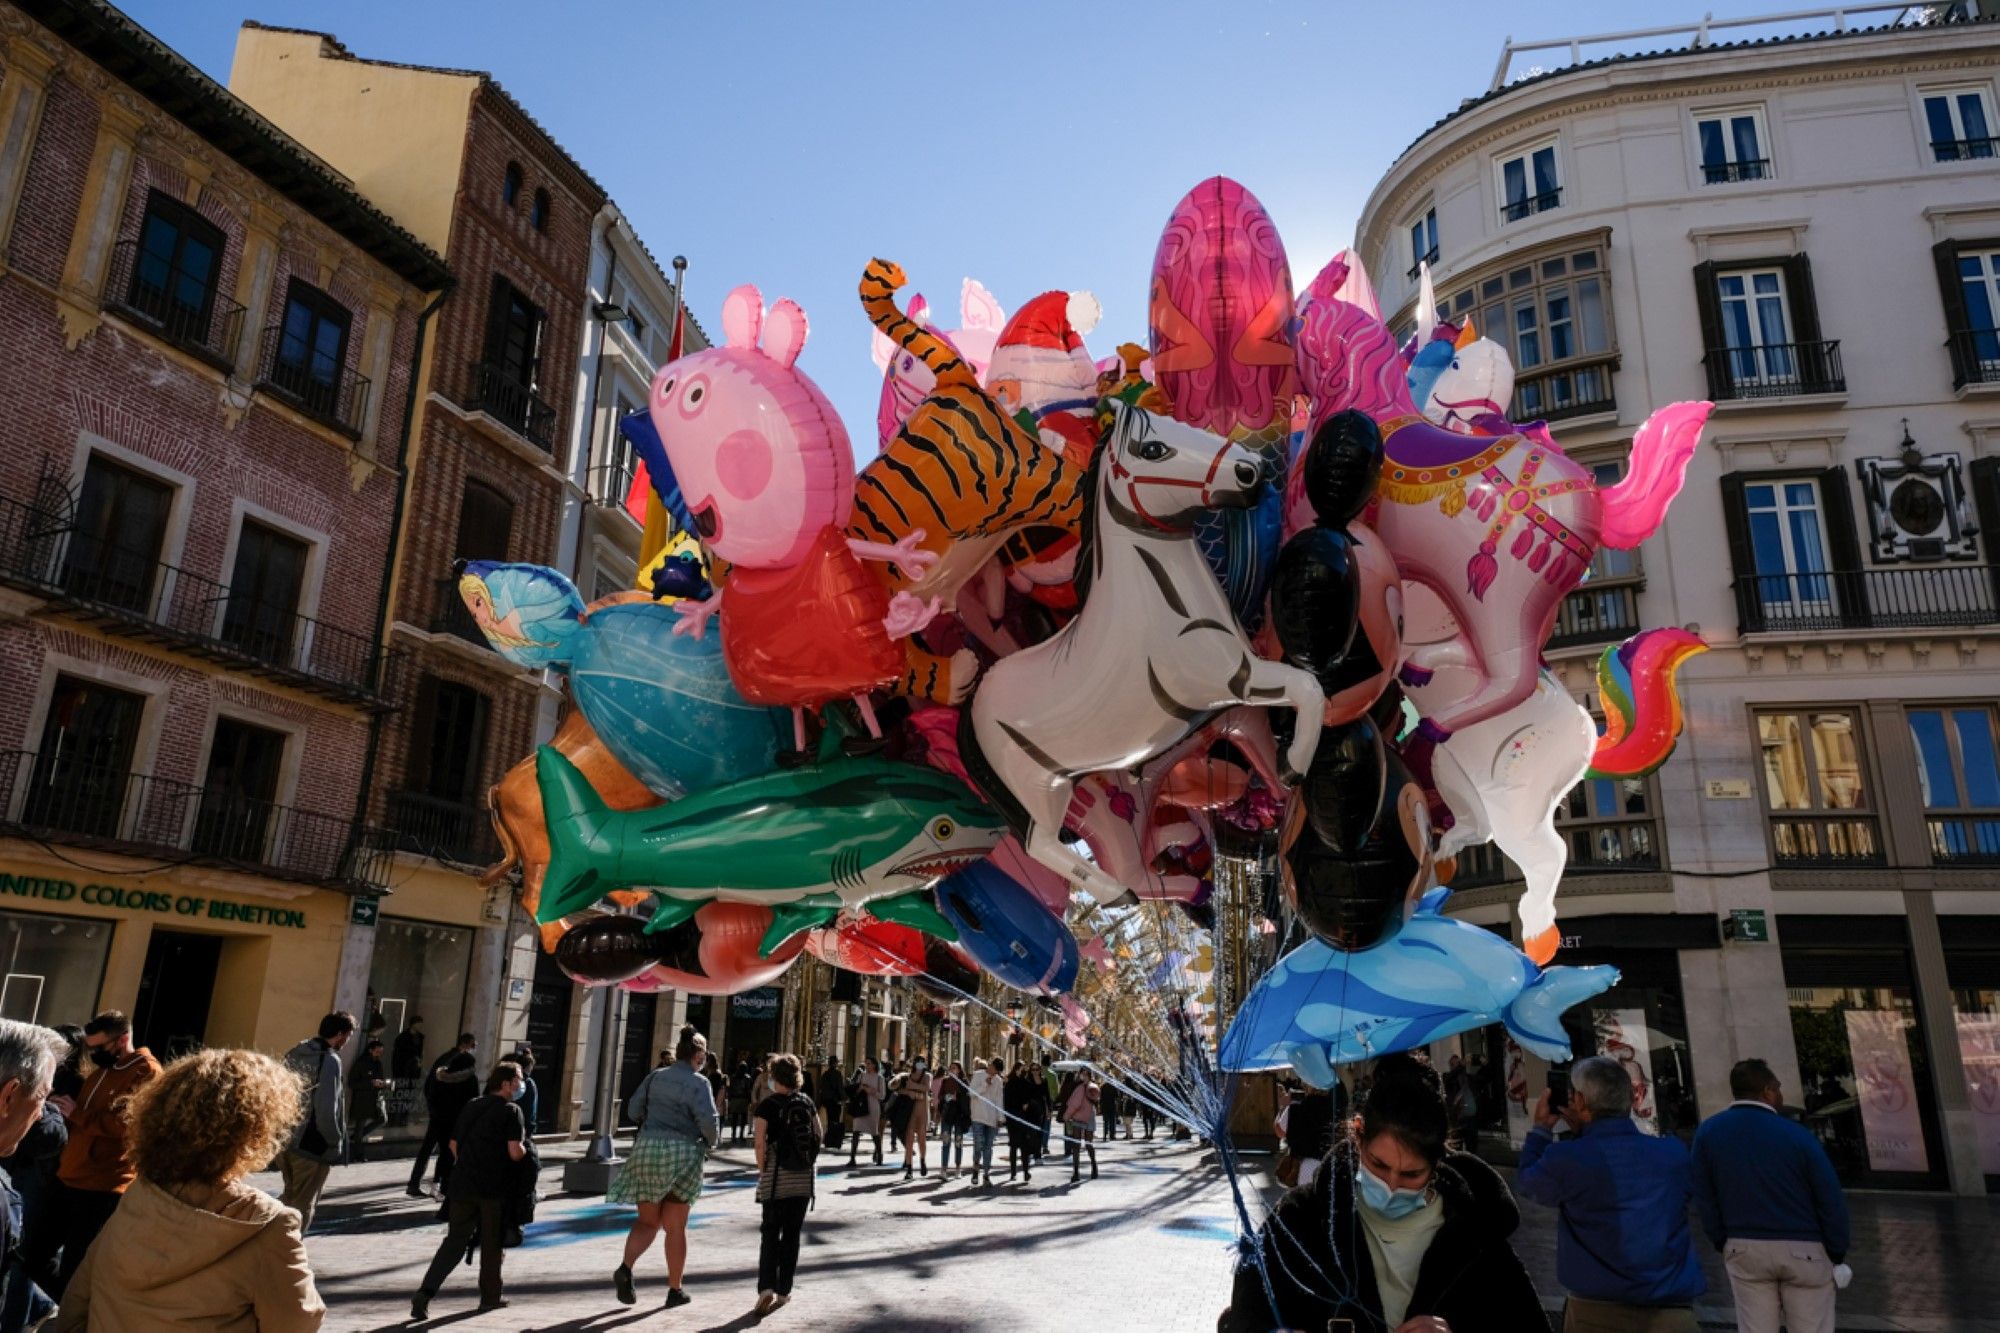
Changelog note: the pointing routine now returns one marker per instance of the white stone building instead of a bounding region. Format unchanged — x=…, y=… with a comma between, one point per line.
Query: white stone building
x=1805, y=229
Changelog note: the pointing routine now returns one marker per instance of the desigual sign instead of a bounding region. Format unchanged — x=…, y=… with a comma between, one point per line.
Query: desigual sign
x=150, y=900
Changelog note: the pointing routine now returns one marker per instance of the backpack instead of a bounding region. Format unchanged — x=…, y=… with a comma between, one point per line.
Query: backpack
x=797, y=1134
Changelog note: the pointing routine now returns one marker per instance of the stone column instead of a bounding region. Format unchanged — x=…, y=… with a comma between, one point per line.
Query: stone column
x=1940, y=1027
x=23, y=92
x=97, y=218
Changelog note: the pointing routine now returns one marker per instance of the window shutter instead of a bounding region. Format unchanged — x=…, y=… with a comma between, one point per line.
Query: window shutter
x=423, y=720
x=1804, y=304
x=496, y=319
x=1844, y=548
x=1736, y=523
x=1986, y=501
x=1951, y=291
x=1708, y=306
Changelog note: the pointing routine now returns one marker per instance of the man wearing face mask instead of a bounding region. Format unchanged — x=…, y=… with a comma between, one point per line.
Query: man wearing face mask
x=489, y=1141
x=96, y=1164
x=1395, y=1234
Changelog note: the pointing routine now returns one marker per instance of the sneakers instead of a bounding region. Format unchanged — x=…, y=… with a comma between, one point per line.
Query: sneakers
x=621, y=1279
x=417, y=1192
x=779, y=1301
x=675, y=1296
x=767, y=1301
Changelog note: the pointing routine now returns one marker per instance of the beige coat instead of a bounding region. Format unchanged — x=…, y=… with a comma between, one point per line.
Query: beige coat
x=230, y=1260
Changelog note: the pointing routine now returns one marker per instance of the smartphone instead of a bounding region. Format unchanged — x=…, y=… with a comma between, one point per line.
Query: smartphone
x=1558, y=1087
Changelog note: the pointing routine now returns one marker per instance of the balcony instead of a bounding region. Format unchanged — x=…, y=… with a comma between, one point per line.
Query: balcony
x=1597, y=613
x=446, y=830
x=1599, y=847
x=1964, y=150
x=513, y=404
x=1975, y=357
x=1917, y=597
x=1580, y=388
x=1826, y=842
x=611, y=482
x=312, y=382
x=1965, y=839
x=453, y=617
x=1774, y=370
x=131, y=594
x=176, y=307
x=1430, y=257
x=54, y=798
x=1726, y=173
x=1533, y=204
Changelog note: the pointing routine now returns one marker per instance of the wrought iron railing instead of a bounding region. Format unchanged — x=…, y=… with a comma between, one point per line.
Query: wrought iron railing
x=1533, y=204
x=1964, y=150
x=1430, y=257
x=1971, y=838
x=1829, y=842
x=1913, y=597
x=1577, y=389
x=452, y=616
x=452, y=831
x=1774, y=370
x=179, y=307
x=1612, y=846
x=1975, y=357
x=312, y=381
x=55, y=797
x=132, y=593
x=611, y=482
x=1597, y=613
x=513, y=404
x=1722, y=173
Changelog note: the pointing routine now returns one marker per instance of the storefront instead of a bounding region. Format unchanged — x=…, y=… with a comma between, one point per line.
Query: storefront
x=197, y=957
x=1864, y=1066
x=1972, y=965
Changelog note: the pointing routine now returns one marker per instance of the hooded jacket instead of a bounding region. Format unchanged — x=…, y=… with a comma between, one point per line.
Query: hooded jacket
x=1470, y=1278
x=95, y=1156
x=233, y=1264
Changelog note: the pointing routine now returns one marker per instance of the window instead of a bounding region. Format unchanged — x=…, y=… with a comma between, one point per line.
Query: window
x=115, y=546
x=1960, y=123
x=440, y=814
x=1969, y=282
x=485, y=523
x=1529, y=183
x=175, y=269
x=1553, y=315
x=312, y=348
x=1795, y=550
x=637, y=328
x=620, y=464
x=84, y=766
x=55, y=965
x=539, y=215
x=510, y=185
x=1732, y=146
x=1958, y=772
x=1816, y=790
x=1605, y=608
x=238, y=791
x=1760, y=330
x=264, y=588
x=1424, y=241
x=1608, y=823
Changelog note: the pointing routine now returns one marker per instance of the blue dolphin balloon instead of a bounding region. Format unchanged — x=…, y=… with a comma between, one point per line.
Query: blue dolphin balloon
x=1008, y=930
x=1435, y=976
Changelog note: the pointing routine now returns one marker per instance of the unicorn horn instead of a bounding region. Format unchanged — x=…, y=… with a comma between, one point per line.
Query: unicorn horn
x=1466, y=335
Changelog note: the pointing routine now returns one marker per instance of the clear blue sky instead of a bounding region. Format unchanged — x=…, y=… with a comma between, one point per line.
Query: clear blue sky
x=1030, y=145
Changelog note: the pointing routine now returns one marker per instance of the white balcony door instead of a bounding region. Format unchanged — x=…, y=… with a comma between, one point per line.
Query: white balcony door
x=1755, y=326
x=1788, y=545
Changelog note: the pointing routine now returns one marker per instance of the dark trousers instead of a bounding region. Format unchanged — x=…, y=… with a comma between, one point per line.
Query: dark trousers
x=80, y=1214
x=778, y=1257
x=437, y=1137
x=470, y=1217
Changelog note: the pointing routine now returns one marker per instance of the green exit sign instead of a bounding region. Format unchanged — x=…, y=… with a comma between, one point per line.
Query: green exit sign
x=364, y=911
x=1747, y=926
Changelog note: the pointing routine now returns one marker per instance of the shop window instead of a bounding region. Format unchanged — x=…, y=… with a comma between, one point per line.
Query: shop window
x=1553, y=315
x=265, y=584
x=312, y=349
x=419, y=971
x=1423, y=242
x=1969, y=285
x=54, y=966
x=1530, y=182
x=1958, y=772
x=82, y=776
x=1761, y=333
x=1794, y=549
x=1864, y=1068
x=1972, y=967
x=1816, y=789
x=1960, y=123
x=176, y=268
x=1642, y=1023
x=116, y=544
x=1732, y=145
x=510, y=185
x=238, y=791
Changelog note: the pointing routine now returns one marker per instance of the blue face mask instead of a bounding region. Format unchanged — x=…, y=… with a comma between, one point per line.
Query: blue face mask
x=515, y=1095
x=1389, y=1203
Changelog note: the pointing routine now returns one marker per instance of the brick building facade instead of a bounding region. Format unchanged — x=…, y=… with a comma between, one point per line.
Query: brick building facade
x=210, y=336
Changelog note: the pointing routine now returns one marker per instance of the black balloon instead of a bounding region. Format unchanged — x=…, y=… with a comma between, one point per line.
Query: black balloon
x=1343, y=462
x=1316, y=600
x=1355, y=889
x=1343, y=791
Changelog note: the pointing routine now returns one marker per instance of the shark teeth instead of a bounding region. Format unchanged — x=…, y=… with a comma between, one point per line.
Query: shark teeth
x=931, y=867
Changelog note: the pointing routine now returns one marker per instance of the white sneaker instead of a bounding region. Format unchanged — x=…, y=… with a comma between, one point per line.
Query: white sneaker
x=778, y=1301
x=767, y=1301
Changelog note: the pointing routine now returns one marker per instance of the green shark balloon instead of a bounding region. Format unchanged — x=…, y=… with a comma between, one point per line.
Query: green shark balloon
x=806, y=843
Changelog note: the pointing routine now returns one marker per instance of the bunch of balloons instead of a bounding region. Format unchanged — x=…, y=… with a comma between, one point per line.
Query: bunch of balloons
x=1088, y=626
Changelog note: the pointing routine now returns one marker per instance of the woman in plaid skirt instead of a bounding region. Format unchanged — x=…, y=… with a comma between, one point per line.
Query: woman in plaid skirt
x=675, y=1111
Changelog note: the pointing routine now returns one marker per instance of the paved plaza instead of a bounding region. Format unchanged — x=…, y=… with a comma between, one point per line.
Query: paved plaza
x=1145, y=1246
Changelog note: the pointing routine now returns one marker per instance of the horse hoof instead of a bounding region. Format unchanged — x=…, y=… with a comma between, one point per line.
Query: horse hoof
x=1542, y=947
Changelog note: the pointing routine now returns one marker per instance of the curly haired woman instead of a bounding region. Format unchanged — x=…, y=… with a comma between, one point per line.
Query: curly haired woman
x=191, y=1245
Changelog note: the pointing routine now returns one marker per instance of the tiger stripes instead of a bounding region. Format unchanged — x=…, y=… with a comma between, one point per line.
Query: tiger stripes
x=961, y=469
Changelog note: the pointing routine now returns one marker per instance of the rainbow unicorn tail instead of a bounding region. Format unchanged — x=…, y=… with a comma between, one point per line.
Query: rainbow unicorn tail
x=1660, y=453
x=1642, y=707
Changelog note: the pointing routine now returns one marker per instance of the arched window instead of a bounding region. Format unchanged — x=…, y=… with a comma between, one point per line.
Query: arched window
x=510, y=186
x=540, y=215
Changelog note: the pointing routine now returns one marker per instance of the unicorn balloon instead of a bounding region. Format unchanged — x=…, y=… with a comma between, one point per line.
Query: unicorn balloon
x=1458, y=379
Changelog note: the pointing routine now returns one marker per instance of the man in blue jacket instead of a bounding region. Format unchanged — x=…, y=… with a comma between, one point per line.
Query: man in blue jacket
x=1623, y=1248
x=1769, y=1200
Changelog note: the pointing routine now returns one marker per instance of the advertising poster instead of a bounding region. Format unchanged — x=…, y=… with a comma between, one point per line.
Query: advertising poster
x=1621, y=1034
x=1518, y=1115
x=1979, y=1049
x=1885, y=1086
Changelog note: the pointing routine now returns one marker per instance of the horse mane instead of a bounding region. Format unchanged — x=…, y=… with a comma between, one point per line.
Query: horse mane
x=1086, y=533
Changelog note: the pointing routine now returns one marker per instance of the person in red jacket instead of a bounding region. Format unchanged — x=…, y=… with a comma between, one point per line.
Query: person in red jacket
x=97, y=1165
